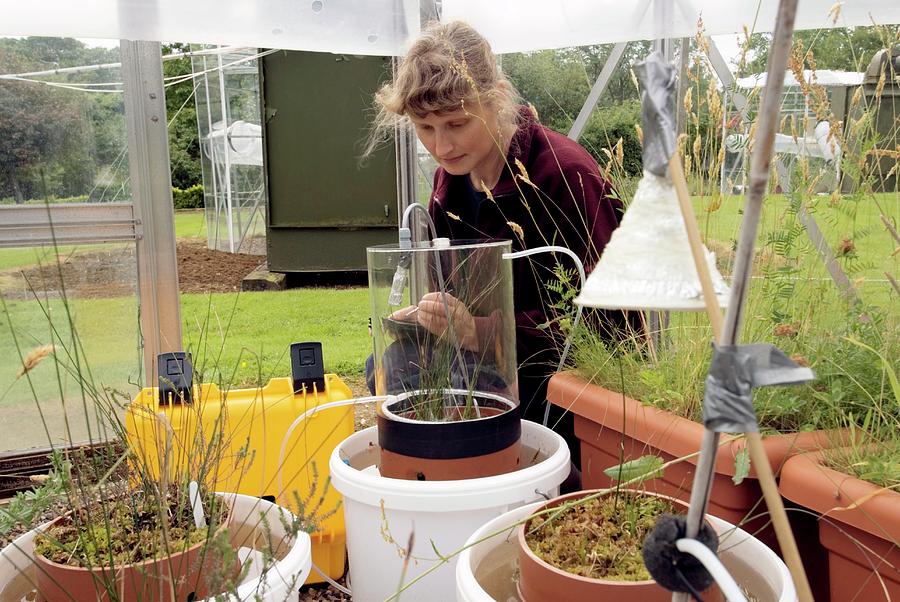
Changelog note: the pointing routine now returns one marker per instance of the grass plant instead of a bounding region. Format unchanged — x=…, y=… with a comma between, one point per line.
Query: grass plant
x=874, y=453
x=793, y=301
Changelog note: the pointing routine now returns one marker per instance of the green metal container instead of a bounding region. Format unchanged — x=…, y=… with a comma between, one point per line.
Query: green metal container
x=325, y=205
x=880, y=160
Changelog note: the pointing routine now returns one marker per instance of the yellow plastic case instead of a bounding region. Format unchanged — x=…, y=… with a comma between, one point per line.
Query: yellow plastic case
x=253, y=424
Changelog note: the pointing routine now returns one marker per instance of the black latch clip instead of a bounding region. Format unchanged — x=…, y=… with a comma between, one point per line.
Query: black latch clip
x=307, y=367
x=176, y=377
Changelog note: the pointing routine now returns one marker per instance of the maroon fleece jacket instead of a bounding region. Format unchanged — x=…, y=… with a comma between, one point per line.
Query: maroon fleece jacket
x=556, y=197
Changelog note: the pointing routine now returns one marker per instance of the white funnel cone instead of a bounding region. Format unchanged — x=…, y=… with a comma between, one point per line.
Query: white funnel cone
x=647, y=263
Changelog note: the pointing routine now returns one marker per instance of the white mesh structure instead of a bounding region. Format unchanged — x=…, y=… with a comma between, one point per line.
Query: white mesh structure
x=647, y=264
x=383, y=27
x=228, y=119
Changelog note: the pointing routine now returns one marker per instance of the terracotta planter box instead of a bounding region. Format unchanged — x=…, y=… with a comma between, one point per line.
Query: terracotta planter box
x=599, y=424
x=860, y=541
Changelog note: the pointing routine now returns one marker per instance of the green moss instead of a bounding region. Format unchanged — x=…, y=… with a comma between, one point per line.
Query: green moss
x=599, y=539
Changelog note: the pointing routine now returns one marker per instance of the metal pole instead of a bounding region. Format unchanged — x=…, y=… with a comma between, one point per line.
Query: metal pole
x=612, y=61
x=827, y=255
x=223, y=96
x=680, y=111
x=407, y=161
x=759, y=175
x=151, y=185
x=720, y=66
x=212, y=163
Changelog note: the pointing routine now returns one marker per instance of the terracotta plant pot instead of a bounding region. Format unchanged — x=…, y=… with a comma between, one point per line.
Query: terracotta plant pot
x=148, y=581
x=467, y=448
x=540, y=581
x=861, y=541
x=183, y=573
x=255, y=538
x=599, y=422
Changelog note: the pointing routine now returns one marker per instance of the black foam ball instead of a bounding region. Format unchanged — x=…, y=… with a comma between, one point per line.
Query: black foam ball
x=664, y=561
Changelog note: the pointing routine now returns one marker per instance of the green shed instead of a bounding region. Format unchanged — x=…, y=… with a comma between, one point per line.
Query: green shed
x=325, y=204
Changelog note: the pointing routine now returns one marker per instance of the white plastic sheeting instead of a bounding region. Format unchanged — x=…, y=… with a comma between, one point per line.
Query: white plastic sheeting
x=521, y=25
x=384, y=27
x=367, y=27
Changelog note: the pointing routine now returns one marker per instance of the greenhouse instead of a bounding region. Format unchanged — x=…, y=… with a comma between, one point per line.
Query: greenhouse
x=450, y=300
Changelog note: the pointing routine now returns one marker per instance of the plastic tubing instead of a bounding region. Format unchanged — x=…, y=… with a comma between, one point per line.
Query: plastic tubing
x=284, y=442
x=580, y=266
x=715, y=567
x=405, y=238
x=332, y=582
x=404, y=221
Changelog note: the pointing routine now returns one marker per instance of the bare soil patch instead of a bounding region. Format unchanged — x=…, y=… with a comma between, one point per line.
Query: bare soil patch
x=112, y=272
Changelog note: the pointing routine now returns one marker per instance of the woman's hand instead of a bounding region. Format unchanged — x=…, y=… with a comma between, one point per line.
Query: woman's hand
x=432, y=315
x=405, y=314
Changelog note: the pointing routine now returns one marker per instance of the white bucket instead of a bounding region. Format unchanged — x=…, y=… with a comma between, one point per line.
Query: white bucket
x=381, y=513
x=753, y=565
x=280, y=580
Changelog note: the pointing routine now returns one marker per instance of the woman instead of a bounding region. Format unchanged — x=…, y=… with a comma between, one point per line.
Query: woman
x=502, y=175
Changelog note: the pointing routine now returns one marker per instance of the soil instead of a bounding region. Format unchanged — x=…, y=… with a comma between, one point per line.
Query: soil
x=111, y=272
x=202, y=270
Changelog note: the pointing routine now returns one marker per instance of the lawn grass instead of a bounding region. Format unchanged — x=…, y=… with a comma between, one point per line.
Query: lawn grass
x=237, y=340
x=190, y=223
x=853, y=219
x=245, y=337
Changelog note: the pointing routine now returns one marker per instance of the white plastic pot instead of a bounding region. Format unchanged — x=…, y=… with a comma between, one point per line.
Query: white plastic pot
x=485, y=570
x=274, y=585
x=381, y=514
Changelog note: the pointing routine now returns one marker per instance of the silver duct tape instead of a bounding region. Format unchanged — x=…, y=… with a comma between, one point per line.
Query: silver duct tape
x=733, y=374
x=657, y=111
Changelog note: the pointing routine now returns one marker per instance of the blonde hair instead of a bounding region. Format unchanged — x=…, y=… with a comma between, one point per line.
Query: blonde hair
x=448, y=67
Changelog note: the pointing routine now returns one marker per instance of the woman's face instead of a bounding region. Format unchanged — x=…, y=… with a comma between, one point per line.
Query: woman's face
x=463, y=141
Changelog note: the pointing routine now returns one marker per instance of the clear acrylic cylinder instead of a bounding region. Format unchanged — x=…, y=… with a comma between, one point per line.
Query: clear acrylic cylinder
x=417, y=350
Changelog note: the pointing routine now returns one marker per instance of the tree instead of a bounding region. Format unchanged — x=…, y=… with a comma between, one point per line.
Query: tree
x=184, y=143
x=64, y=143
x=557, y=82
x=35, y=123
x=52, y=140
x=841, y=49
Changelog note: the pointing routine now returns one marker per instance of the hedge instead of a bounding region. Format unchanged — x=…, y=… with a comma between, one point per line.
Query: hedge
x=189, y=198
x=606, y=126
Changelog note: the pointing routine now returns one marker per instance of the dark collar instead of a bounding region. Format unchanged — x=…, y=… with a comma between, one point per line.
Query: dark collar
x=519, y=148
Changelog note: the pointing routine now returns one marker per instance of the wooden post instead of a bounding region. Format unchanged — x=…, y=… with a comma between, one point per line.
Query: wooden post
x=727, y=334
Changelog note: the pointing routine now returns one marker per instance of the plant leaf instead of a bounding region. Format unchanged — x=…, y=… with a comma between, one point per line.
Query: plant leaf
x=888, y=368
x=741, y=466
x=643, y=468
